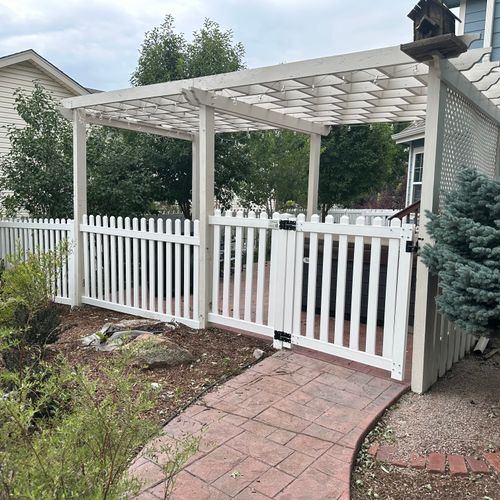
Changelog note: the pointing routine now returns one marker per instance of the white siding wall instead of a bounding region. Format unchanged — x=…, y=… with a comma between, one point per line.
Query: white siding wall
x=22, y=75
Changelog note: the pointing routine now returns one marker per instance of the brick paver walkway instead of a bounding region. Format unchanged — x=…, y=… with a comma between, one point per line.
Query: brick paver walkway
x=288, y=428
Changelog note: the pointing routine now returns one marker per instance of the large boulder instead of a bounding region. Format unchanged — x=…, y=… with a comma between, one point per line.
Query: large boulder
x=152, y=351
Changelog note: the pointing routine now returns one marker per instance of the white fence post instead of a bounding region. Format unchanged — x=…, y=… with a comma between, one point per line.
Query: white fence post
x=402, y=304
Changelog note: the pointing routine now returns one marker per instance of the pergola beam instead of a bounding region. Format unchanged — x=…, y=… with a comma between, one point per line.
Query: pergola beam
x=251, y=112
x=368, y=59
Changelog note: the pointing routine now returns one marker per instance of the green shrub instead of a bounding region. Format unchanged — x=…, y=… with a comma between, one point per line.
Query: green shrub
x=466, y=253
x=62, y=437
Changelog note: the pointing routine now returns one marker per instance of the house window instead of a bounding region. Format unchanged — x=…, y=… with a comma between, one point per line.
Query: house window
x=417, y=171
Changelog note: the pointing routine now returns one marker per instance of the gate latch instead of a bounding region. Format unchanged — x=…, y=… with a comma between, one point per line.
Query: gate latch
x=283, y=337
x=288, y=225
x=411, y=247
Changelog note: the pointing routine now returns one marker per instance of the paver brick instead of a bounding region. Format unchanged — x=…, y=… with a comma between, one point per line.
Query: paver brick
x=296, y=463
x=457, y=465
x=478, y=466
x=282, y=420
x=320, y=432
x=308, y=445
x=385, y=453
x=241, y=476
x=436, y=462
x=281, y=436
x=494, y=460
x=216, y=463
x=373, y=449
x=272, y=482
x=418, y=461
x=263, y=449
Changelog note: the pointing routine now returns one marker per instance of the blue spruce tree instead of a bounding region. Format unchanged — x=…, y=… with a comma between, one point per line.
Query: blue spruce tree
x=466, y=254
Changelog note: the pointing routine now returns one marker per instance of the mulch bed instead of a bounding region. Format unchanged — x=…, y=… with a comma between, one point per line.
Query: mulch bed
x=460, y=415
x=219, y=355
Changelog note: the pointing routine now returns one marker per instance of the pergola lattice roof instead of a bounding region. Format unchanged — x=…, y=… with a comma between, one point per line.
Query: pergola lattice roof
x=381, y=85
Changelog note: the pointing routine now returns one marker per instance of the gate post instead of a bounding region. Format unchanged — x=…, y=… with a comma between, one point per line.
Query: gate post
x=423, y=375
x=401, y=314
x=76, y=269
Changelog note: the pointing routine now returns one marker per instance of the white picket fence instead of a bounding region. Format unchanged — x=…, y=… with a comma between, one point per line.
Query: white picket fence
x=240, y=300
x=143, y=267
x=260, y=283
x=41, y=235
x=368, y=213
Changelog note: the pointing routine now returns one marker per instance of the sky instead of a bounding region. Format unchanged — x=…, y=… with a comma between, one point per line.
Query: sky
x=97, y=42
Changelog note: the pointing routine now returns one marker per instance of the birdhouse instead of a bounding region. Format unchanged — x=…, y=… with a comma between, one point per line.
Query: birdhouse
x=432, y=18
x=433, y=32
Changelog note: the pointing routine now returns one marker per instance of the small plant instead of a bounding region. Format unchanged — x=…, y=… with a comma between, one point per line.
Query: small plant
x=61, y=437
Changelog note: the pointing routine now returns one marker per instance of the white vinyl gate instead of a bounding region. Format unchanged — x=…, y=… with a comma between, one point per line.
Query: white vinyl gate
x=341, y=289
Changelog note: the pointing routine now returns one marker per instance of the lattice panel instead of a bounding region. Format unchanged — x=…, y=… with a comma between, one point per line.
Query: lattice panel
x=470, y=139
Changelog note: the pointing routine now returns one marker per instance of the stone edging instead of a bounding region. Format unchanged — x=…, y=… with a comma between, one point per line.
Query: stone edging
x=440, y=463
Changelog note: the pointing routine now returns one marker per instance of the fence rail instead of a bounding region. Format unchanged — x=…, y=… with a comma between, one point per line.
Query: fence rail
x=144, y=267
x=37, y=236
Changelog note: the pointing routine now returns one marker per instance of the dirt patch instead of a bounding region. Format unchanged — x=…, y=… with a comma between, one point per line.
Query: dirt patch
x=459, y=415
x=396, y=484
x=218, y=354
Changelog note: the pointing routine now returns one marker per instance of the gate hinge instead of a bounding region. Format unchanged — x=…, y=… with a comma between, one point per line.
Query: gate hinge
x=411, y=247
x=283, y=337
x=288, y=225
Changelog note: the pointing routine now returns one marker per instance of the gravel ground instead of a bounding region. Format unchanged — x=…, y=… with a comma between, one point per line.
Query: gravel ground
x=460, y=414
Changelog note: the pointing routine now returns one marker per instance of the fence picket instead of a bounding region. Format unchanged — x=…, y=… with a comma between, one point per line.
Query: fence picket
x=169, y=276
x=152, y=267
x=121, y=263
x=160, y=267
x=187, y=271
x=311, y=281
x=178, y=267
x=135, y=265
x=299, y=266
x=357, y=280
x=144, y=267
x=105, y=249
x=93, y=287
x=373, y=288
x=390, y=294
x=341, y=285
x=196, y=274
x=114, y=263
x=325, y=283
x=216, y=274
x=227, y=266
x=249, y=269
x=237, y=268
x=98, y=223
x=261, y=270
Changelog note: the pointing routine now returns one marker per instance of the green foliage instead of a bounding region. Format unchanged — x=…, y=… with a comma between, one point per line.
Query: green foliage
x=356, y=162
x=38, y=170
x=165, y=56
x=277, y=177
x=62, y=437
x=466, y=253
x=26, y=294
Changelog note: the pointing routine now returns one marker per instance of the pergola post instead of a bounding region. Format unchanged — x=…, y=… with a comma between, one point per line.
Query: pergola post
x=313, y=184
x=195, y=175
x=79, y=207
x=423, y=370
x=206, y=207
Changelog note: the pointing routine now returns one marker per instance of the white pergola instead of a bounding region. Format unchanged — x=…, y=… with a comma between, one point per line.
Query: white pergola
x=381, y=85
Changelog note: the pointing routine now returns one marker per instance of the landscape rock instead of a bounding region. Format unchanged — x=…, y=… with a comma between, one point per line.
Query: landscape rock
x=152, y=351
x=258, y=353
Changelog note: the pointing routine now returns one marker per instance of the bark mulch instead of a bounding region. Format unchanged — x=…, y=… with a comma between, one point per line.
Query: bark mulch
x=219, y=355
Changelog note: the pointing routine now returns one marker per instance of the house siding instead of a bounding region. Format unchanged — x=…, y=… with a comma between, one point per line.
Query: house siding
x=495, y=55
x=22, y=75
x=475, y=18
